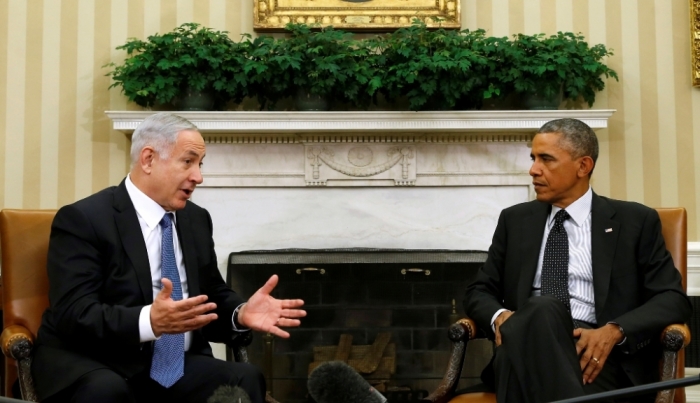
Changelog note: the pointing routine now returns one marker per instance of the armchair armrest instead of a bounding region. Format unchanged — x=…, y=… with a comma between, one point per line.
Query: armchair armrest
x=238, y=343
x=674, y=338
x=459, y=333
x=17, y=343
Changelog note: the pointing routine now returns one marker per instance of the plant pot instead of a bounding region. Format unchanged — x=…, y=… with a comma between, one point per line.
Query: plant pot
x=537, y=101
x=503, y=102
x=194, y=100
x=306, y=101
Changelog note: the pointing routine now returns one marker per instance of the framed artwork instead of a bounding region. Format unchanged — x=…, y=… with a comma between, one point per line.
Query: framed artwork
x=695, y=40
x=355, y=15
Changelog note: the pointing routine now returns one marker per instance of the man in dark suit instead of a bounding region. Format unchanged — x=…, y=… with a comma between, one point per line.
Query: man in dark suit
x=135, y=291
x=576, y=287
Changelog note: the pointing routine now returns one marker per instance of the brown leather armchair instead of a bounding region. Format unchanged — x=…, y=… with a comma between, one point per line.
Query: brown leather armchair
x=673, y=339
x=24, y=239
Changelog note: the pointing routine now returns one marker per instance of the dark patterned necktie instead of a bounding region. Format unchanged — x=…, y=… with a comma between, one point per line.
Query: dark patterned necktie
x=555, y=264
x=168, y=363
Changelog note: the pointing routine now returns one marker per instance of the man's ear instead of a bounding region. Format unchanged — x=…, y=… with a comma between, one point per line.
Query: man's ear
x=586, y=165
x=146, y=158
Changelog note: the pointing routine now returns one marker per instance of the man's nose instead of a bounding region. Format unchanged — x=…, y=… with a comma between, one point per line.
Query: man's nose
x=535, y=169
x=196, y=176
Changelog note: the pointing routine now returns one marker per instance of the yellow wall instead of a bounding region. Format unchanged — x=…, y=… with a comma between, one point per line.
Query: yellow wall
x=56, y=145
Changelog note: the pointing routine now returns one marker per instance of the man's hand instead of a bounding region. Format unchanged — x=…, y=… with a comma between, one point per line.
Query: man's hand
x=596, y=345
x=500, y=319
x=169, y=316
x=264, y=313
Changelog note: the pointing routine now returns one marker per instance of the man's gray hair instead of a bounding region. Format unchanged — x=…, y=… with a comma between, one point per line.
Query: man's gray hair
x=576, y=137
x=160, y=132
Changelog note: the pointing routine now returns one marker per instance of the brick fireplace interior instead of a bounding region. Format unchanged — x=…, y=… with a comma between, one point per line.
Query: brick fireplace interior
x=363, y=293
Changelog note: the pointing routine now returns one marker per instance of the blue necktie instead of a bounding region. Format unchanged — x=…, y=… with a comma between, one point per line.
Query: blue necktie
x=168, y=363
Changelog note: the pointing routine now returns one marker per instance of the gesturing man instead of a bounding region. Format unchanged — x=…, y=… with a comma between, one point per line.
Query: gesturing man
x=576, y=287
x=135, y=291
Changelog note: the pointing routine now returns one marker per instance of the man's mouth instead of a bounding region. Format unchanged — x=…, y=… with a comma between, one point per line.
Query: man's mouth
x=188, y=192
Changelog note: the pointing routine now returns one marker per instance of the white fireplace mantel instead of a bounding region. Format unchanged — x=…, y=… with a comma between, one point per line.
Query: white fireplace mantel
x=499, y=122
x=369, y=148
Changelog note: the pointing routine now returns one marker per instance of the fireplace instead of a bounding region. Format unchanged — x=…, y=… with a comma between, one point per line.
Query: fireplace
x=369, y=179
x=394, y=305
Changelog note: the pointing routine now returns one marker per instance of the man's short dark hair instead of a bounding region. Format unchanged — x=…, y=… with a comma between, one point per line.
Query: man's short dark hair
x=576, y=137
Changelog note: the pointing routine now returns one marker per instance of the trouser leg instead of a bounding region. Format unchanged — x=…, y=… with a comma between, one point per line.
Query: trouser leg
x=537, y=360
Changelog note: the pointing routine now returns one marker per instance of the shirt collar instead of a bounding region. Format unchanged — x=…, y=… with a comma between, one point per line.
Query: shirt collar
x=578, y=210
x=150, y=211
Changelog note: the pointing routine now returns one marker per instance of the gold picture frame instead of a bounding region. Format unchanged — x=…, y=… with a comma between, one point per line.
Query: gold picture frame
x=695, y=40
x=355, y=15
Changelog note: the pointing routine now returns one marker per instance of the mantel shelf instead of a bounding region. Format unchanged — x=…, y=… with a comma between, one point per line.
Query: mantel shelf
x=376, y=122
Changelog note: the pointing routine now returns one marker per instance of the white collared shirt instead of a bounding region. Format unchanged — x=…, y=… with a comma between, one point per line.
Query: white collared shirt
x=150, y=214
x=578, y=231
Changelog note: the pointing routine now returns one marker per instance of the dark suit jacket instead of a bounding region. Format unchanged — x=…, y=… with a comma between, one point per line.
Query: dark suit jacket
x=635, y=282
x=100, y=278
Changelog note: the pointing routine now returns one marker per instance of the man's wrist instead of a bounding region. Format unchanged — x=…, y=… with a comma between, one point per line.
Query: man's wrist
x=623, y=337
x=237, y=325
x=495, y=316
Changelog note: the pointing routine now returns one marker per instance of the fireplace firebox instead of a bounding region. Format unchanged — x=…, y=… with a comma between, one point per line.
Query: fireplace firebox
x=384, y=311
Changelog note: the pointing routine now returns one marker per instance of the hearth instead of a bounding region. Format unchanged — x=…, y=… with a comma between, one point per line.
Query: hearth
x=384, y=311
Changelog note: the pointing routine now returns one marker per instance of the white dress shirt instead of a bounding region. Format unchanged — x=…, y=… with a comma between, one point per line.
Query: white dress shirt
x=150, y=214
x=578, y=231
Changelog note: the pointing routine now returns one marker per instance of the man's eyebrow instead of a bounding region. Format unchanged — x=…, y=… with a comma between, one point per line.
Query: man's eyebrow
x=532, y=155
x=192, y=153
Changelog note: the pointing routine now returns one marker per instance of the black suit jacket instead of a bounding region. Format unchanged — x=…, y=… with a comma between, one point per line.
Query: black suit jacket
x=635, y=282
x=100, y=279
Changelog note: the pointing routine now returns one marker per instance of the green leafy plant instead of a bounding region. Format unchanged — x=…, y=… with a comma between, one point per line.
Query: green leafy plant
x=559, y=63
x=434, y=69
x=324, y=62
x=189, y=59
x=267, y=72
x=427, y=68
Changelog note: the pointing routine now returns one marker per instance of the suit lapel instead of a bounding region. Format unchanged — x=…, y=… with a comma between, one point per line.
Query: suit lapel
x=132, y=238
x=531, y=233
x=604, y=235
x=184, y=233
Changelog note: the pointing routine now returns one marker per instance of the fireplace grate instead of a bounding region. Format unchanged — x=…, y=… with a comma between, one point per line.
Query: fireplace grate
x=360, y=293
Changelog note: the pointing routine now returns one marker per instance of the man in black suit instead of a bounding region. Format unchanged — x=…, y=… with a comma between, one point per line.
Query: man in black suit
x=576, y=287
x=135, y=291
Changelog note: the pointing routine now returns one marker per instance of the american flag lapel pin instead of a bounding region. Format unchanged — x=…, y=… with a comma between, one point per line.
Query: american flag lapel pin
x=608, y=230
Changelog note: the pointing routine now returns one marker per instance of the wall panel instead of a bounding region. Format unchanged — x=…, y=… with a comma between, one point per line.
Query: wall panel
x=56, y=144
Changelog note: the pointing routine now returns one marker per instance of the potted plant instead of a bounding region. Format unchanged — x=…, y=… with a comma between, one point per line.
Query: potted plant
x=322, y=65
x=267, y=72
x=434, y=69
x=192, y=67
x=547, y=69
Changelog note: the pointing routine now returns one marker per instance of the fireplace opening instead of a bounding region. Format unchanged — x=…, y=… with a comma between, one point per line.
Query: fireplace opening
x=385, y=312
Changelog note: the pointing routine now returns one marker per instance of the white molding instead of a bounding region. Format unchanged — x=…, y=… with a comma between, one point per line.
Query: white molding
x=692, y=393
x=286, y=123
x=694, y=269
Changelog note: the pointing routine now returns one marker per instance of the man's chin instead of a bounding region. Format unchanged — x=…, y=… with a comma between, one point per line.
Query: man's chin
x=542, y=197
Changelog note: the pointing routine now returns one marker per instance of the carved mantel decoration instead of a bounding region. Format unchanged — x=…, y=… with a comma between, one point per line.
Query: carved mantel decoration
x=695, y=40
x=392, y=163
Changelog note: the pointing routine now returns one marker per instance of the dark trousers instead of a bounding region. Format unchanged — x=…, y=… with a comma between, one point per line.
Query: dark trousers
x=203, y=375
x=537, y=361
